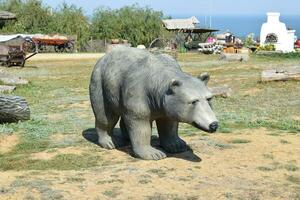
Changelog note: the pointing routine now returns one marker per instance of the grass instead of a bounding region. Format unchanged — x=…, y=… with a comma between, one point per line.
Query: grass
x=284, y=142
x=57, y=86
x=75, y=179
x=112, y=193
x=294, y=179
x=59, y=162
x=239, y=141
x=159, y=172
x=43, y=186
x=290, y=166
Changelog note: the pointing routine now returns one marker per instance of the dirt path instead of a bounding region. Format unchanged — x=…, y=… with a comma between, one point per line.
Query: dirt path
x=251, y=164
x=66, y=56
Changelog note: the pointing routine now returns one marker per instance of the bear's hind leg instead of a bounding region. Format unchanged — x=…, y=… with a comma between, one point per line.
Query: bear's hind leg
x=106, y=139
x=139, y=131
x=168, y=136
x=124, y=130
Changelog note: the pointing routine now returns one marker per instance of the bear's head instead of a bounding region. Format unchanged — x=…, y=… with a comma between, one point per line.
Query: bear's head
x=188, y=100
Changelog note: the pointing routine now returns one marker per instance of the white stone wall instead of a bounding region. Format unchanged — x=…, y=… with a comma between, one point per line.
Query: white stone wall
x=285, y=37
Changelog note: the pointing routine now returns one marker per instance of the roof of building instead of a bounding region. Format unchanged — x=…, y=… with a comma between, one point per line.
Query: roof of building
x=175, y=24
x=190, y=25
x=4, y=15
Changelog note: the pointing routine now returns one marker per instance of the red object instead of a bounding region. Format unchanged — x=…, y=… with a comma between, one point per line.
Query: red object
x=297, y=44
x=50, y=41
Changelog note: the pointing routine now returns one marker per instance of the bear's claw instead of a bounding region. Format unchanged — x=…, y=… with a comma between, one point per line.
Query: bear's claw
x=106, y=143
x=149, y=153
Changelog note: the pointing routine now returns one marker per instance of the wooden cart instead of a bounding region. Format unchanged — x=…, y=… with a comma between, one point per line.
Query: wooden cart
x=13, y=53
x=60, y=44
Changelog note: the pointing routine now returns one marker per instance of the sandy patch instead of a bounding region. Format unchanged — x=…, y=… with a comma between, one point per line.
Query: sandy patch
x=82, y=104
x=220, y=172
x=46, y=155
x=65, y=56
x=296, y=117
x=252, y=91
x=55, y=117
x=7, y=142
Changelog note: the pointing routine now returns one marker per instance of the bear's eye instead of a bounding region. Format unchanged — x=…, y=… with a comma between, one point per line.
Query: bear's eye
x=209, y=99
x=194, y=101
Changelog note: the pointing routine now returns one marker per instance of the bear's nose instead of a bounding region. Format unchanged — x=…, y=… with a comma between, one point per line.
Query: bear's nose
x=213, y=127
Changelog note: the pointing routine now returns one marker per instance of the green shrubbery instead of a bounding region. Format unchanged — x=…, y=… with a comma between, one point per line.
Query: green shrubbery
x=139, y=25
x=268, y=47
x=136, y=24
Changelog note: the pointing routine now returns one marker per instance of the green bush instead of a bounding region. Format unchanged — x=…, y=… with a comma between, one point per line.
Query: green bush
x=136, y=24
x=139, y=25
x=34, y=17
x=268, y=47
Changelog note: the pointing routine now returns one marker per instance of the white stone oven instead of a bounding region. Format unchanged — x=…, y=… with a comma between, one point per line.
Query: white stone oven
x=276, y=32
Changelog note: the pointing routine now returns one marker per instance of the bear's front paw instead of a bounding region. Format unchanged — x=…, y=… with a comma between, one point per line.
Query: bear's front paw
x=175, y=145
x=149, y=153
x=106, y=143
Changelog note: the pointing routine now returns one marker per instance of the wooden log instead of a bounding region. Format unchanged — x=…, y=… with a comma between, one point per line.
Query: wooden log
x=7, y=88
x=234, y=57
x=13, y=109
x=12, y=80
x=221, y=91
x=291, y=73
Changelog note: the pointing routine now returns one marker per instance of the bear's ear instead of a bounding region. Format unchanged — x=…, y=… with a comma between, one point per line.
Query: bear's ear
x=204, y=77
x=174, y=84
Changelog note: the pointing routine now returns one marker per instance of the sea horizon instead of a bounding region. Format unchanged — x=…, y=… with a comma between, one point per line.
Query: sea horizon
x=242, y=25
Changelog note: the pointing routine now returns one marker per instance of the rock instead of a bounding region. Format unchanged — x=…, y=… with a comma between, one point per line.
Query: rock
x=7, y=89
x=234, y=57
x=221, y=91
x=12, y=80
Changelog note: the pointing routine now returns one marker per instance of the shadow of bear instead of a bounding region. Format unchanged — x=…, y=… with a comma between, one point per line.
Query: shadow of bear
x=92, y=136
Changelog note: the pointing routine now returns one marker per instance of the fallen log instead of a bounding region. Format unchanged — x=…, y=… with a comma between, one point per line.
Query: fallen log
x=13, y=109
x=221, y=91
x=234, y=57
x=7, y=88
x=291, y=73
x=12, y=80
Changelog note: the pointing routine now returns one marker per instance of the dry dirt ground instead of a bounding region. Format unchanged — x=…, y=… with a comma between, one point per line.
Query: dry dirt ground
x=248, y=164
x=256, y=163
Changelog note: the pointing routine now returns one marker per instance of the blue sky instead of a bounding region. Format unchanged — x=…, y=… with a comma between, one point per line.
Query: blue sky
x=194, y=7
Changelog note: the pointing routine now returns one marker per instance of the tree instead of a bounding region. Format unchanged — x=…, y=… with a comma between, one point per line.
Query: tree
x=136, y=24
x=70, y=20
x=32, y=15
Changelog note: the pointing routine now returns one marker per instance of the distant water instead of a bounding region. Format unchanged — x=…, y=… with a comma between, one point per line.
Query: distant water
x=243, y=25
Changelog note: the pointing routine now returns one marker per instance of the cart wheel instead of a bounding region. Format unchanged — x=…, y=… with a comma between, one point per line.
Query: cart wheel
x=69, y=47
x=59, y=48
x=42, y=48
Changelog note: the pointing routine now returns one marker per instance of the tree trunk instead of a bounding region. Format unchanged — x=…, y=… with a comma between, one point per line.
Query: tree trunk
x=13, y=109
x=291, y=73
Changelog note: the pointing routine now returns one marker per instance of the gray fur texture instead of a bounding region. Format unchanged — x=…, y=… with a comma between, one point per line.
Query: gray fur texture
x=140, y=87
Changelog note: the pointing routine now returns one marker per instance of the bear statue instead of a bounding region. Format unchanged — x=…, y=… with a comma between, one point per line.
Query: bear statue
x=139, y=87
